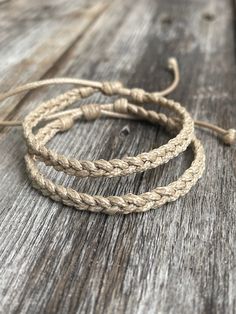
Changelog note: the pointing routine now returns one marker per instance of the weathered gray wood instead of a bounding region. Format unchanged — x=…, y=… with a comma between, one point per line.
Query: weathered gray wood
x=176, y=259
x=35, y=35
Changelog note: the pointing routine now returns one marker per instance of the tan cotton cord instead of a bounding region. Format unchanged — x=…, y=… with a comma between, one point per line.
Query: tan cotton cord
x=58, y=119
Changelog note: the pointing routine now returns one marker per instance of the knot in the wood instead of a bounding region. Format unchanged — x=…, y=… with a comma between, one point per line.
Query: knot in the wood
x=91, y=111
x=121, y=105
x=111, y=88
x=66, y=122
x=229, y=137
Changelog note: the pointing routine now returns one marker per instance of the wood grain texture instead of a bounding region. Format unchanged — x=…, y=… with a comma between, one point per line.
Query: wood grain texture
x=35, y=35
x=176, y=259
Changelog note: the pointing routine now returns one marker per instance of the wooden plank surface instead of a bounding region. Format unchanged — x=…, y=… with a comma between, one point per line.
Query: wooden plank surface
x=35, y=35
x=176, y=259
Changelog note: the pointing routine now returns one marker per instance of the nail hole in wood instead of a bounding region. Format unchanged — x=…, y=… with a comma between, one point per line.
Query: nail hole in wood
x=125, y=131
x=209, y=16
x=166, y=19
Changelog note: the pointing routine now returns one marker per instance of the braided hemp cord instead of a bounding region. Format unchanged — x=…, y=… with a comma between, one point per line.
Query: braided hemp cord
x=127, y=165
x=114, y=204
x=182, y=125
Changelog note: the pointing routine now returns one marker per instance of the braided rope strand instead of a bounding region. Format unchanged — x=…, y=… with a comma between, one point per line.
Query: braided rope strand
x=127, y=165
x=114, y=204
x=129, y=105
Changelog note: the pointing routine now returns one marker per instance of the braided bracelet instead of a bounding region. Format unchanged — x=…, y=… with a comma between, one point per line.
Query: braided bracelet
x=182, y=125
x=114, y=167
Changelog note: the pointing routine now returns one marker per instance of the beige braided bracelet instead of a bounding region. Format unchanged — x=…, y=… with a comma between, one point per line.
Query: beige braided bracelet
x=182, y=125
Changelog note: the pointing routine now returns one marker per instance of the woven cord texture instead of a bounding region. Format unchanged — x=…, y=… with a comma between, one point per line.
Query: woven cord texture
x=129, y=105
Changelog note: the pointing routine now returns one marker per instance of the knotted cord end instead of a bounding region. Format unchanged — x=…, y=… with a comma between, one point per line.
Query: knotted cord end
x=121, y=105
x=229, y=137
x=66, y=122
x=91, y=111
x=172, y=63
x=111, y=88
